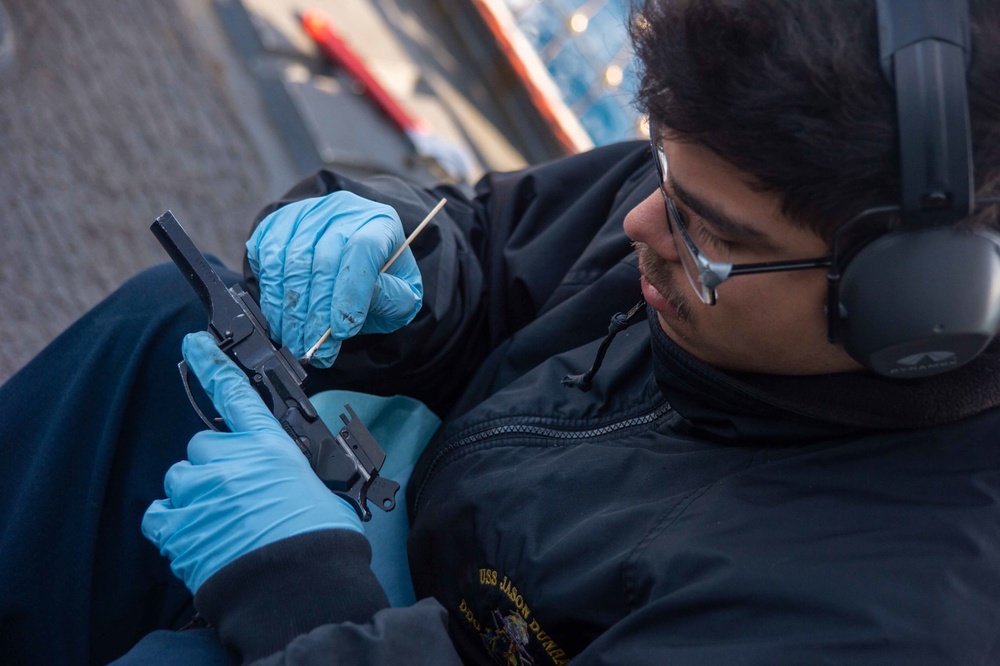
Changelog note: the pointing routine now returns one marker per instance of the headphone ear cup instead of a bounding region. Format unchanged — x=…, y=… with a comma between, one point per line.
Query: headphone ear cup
x=918, y=303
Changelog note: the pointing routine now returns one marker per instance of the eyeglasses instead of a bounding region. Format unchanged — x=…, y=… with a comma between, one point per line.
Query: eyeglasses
x=703, y=273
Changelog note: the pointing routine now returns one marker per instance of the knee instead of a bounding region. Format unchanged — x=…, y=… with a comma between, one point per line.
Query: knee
x=161, y=293
x=164, y=285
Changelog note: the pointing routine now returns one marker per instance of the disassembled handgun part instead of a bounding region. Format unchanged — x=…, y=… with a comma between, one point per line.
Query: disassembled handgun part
x=348, y=462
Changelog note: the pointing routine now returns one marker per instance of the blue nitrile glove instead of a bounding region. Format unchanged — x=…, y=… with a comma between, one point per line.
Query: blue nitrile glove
x=237, y=491
x=319, y=265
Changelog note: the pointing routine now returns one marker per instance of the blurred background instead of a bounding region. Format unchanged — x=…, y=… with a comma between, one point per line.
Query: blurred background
x=113, y=111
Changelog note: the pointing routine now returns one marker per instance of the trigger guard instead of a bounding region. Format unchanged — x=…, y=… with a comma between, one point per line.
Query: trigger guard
x=182, y=367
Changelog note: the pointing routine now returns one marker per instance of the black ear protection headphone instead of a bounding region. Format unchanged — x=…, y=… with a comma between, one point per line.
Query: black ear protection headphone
x=925, y=298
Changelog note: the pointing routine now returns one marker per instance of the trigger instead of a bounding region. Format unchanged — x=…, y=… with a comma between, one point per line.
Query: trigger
x=183, y=368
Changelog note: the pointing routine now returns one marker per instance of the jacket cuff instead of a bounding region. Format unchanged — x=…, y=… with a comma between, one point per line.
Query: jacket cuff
x=264, y=599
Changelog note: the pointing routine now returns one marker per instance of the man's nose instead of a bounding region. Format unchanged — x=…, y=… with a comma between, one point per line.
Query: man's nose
x=647, y=223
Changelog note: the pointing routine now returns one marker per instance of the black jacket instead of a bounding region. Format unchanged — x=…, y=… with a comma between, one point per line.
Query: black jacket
x=671, y=515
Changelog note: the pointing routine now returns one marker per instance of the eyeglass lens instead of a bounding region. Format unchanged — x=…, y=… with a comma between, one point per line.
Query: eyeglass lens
x=686, y=247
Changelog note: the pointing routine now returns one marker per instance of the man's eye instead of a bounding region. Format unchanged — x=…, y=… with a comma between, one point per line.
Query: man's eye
x=713, y=241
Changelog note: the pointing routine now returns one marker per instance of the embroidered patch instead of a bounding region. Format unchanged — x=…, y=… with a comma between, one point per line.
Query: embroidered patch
x=510, y=632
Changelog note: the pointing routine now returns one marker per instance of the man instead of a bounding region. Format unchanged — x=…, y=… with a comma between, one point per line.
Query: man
x=732, y=488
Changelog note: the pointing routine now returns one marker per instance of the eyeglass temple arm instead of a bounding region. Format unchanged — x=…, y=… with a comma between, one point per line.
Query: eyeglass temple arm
x=715, y=273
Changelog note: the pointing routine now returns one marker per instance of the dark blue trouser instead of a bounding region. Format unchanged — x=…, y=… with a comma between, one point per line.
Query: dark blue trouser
x=87, y=431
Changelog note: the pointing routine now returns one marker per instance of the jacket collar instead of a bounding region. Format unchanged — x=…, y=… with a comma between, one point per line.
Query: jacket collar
x=783, y=409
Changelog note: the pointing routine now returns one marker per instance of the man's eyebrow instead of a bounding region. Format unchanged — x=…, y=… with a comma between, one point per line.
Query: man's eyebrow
x=729, y=227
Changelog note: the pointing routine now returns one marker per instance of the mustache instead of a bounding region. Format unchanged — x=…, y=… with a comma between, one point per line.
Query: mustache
x=660, y=274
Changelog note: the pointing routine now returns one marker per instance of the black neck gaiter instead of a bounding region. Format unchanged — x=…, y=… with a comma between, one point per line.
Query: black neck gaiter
x=834, y=403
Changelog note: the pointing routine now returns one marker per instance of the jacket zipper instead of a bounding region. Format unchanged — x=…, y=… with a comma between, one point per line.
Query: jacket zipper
x=540, y=431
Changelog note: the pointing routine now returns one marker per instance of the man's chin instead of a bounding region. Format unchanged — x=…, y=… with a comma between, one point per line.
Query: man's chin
x=676, y=330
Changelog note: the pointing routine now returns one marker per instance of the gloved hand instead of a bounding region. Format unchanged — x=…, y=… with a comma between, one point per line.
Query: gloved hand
x=319, y=265
x=237, y=491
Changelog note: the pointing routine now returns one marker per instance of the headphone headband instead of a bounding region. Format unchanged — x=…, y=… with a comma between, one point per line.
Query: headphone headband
x=925, y=52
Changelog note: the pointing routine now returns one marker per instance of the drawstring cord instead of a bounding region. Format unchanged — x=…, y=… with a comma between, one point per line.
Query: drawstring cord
x=619, y=322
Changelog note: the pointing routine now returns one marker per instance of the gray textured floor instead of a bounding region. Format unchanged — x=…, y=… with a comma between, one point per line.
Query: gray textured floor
x=113, y=111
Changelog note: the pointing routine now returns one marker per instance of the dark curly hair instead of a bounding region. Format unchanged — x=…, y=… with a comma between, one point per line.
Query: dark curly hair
x=791, y=92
